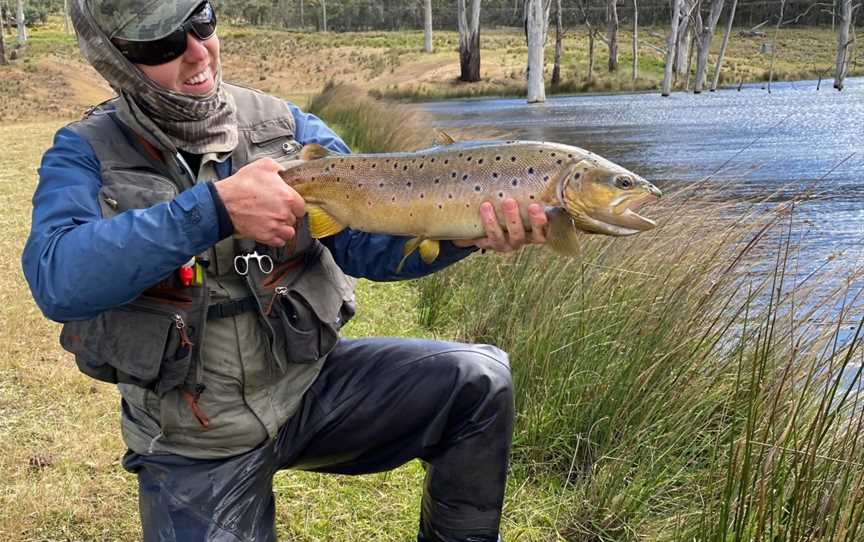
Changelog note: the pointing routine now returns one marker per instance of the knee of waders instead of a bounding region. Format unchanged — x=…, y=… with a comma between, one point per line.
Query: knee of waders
x=484, y=376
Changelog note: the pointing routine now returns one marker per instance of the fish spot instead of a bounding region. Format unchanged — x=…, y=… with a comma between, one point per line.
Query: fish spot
x=408, y=184
x=369, y=203
x=395, y=166
x=338, y=179
x=577, y=175
x=515, y=182
x=313, y=178
x=569, y=156
x=479, y=160
x=531, y=196
x=551, y=154
x=359, y=185
x=422, y=195
x=347, y=196
x=421, y=165
x=393, y=198
x=450, y=196
x=467, y=205
x=530, y=171
x=461, y=154
x=446, y=161
x=465, y=177
x=437, y=181
x=497, y=158
x=404, y=168
x=501, y=195
x=494, y=175
x=468, y=159
x=380, y=185
x=432, y=160
x=560, y=162
x=374, y=166
x=476, y=187
x=453, y=175
x=545, y=177
x=440, y=206
x=341, y=160
x=352, y=166
x=386, y=160
x=512, y=158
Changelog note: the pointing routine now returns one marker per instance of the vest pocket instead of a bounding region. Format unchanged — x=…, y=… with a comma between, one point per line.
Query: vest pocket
x=131, y=347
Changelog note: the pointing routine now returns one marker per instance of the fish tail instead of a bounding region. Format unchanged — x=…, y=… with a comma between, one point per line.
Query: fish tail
x=562, y=235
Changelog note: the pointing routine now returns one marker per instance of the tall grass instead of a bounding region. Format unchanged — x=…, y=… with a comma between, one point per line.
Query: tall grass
x=685, y=384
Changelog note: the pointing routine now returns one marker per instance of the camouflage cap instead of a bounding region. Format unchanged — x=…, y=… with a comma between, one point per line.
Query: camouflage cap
x=140, y=21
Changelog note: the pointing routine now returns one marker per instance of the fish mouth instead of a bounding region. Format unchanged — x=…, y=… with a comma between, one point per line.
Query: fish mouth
x=628, y=218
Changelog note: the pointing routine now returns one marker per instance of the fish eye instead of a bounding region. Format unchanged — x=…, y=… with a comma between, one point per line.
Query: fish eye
x=624, y=182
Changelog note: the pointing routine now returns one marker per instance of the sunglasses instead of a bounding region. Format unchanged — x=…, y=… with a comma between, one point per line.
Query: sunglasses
x=202, y=23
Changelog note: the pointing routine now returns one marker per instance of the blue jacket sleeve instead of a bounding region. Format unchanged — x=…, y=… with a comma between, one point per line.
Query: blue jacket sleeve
x=368, y=255
x=78, y=263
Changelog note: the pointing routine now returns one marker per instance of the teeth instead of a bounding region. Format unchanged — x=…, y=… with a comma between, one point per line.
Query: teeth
x=198, y=79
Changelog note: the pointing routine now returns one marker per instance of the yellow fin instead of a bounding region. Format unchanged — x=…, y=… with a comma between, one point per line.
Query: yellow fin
x=313, y=151
x=321, y=224
x=429, y=250
x=444, y=138
x=562, y=235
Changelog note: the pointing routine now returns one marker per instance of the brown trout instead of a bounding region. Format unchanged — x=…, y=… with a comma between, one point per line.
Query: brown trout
x=435, y=194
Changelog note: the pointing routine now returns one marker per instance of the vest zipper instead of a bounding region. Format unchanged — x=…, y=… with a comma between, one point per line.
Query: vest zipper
x=280, y=291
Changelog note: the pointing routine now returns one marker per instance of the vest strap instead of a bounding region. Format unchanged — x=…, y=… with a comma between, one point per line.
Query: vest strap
x=231, y=308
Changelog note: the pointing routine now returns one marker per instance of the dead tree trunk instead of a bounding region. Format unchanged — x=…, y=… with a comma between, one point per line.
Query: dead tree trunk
x=703, y=43
x=723, y=46
x=22, y=25
x=612, y=34
x=590, y=55
x=682, y=46
x=3, y=60
x=537, y=23
x=427, y=27
x=671, y=41
x=324, y=14
x=774, y=45
x=635, y=40
x=469, y=41
x=843, y=44
x=556, y=67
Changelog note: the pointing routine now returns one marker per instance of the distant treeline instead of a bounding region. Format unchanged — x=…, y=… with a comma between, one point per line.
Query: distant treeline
x=347, y=15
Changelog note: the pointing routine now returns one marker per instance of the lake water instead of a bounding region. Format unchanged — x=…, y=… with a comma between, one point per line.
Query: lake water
x=785, y=143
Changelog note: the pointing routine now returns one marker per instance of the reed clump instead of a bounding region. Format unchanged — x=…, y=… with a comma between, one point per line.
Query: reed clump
x=689, y=383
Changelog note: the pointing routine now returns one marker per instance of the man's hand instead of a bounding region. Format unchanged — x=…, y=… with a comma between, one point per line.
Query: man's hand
x=261, y=205
x=515, y=237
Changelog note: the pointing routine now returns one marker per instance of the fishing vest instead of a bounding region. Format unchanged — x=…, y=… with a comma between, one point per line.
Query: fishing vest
x=152, y=346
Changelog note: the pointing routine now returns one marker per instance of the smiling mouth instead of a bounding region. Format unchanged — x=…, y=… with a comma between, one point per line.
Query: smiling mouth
x=199, y=78
x=629, y=218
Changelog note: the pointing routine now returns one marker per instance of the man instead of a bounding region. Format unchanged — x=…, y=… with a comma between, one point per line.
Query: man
x=183, y=269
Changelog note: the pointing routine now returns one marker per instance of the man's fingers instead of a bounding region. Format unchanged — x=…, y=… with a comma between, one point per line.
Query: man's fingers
x=490, y=224
x=538, y=219
x=515, y=228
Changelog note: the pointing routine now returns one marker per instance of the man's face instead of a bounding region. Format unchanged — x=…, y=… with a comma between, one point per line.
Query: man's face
x=193, y=72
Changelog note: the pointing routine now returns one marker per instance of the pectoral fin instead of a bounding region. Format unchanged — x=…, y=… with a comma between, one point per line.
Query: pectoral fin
x=429, y=250
x=562, y=235
x=321, y=224
x=313, y=151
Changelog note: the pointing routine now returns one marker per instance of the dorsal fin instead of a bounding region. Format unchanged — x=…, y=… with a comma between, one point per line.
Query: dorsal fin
x=313, y=151
x=443, y=138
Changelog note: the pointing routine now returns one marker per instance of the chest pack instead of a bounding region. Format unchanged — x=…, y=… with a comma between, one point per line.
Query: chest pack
x=155, y=340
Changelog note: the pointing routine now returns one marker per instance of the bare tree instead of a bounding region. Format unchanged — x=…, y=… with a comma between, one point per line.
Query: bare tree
x=723, y=46
x=843, y=43
x=427, y=26
x=302, y=22
x=22, y=26
x=612, y=34
x=774, y=45
x=3, y=60
x=469, y=41
x=537, y=24
x=635, y=40
x=703, y=43
x=682, y=45
x=671, y=41
x=559, y=34
x=324, y=14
